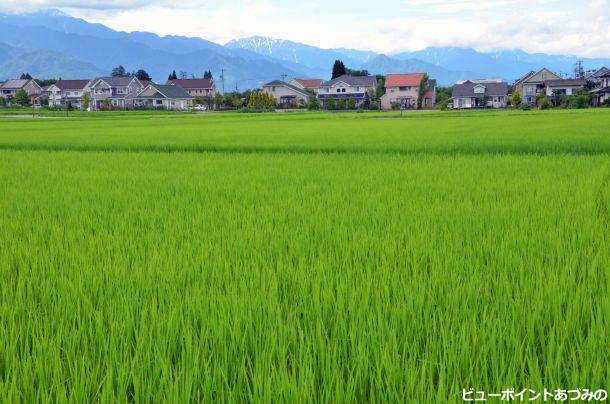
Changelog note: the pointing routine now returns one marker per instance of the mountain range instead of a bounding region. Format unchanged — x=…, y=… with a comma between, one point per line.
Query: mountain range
x=53, y=44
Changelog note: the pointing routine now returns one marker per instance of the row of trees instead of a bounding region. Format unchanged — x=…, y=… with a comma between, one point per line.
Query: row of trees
x=120, y=71
x=183, y=75
x=581, y=99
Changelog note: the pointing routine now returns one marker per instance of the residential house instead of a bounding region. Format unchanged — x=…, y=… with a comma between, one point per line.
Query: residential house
x=563, y=86
x=595, y=76
x=347, y=87
x=470, y=95
x=532, y=85
x=9, y=88
x=67, y=92
x=601, y=94
x=307, y=84
x=168, y=96
x=115, y=92
x=402, y=91
x=196, y=88
x=287, y=95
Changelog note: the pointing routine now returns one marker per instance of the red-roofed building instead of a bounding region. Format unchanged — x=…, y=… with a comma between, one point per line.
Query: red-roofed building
x=307, y=84
x=402, y=91
x=197, y=88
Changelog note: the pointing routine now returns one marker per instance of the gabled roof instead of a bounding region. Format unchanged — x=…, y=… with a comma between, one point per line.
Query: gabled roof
x=115, y=81
x=603, y=72
x=354, y=81
x=527, y=76
x=566, y=83
x=491, y=89
x=404, y=80
x=17, y=84
x=279, y=83
x=309, y=83
x=191, y=84
x=544, y=69
x=71, y=84
x=165, y=91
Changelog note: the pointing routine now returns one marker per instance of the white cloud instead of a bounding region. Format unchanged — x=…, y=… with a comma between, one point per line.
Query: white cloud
x=578, y=27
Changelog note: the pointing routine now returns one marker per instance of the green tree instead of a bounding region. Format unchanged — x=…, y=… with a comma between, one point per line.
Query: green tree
x=544, y=102
x=261, y=100
x=423, y=89
x=330, y=104
x=351, y=103
x=218, y=100
x=86, y=99
x=357, y=73
x=26, y=76
x=2, y=102
x=21, y=98
x=313, y=105
x=516, y=100
x=142, y=75
x=380, y=88
x=582, y=98
x=338, y=69
x=341, y=104
x=106, y=103
x=443, y=95
x=207, y=74
x=119, y=71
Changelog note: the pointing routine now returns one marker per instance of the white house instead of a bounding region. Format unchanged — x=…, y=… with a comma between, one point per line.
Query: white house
x=470, y=95
x=286, y=95
x=564, y=86
x=168, y=96
x=66, y=92
x=346, y=87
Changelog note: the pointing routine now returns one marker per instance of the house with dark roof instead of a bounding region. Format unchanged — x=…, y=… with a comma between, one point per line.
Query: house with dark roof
x=67, y=92
x=347, y=87
x=114, y=92
x=163, y=96
x=481, y=94
x=402, y=91
x=9, y=88
x=532, y=85
x=200, y=88
x=287, y=95
x=307, y=84
x=566, y=87
x=601, y=94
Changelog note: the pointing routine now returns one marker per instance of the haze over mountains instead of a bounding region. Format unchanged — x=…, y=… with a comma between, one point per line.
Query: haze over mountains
x=53, y=44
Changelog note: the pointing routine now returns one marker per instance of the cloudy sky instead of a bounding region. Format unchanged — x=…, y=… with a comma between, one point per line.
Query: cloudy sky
x=578, y=27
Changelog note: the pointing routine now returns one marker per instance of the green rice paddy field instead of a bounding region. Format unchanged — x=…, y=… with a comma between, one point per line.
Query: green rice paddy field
x=303, y=258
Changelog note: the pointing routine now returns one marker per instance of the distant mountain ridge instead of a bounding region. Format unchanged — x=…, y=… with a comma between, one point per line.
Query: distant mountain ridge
x=50, y=44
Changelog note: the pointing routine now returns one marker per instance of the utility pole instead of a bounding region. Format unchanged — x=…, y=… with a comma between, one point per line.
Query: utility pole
x=284, y=77
x=222, y=77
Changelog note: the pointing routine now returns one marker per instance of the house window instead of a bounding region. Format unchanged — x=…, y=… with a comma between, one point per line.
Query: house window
x=159, y=102
x=338, y=90
x=343, y=90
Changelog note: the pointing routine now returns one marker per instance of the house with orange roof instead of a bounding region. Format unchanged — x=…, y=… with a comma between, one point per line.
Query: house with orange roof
x=402, y=91
x=307, y=84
